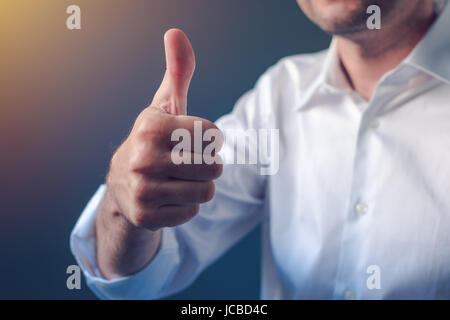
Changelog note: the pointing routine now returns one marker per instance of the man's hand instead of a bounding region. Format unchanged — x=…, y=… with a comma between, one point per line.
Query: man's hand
x=146, y=191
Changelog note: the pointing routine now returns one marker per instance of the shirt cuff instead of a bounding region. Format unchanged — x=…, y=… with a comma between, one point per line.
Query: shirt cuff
x=149, y=283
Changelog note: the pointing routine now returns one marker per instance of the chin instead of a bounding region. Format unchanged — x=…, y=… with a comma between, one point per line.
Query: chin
x=336, y=16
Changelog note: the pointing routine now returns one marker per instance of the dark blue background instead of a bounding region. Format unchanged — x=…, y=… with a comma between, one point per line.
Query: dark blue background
x=82, y=93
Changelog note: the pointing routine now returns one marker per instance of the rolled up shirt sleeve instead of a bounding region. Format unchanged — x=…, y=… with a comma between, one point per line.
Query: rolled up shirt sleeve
x=155, y=275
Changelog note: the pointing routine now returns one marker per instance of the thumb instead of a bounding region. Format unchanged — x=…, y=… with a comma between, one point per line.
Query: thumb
x=180, y=65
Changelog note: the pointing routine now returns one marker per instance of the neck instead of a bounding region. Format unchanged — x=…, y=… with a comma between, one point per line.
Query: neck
x=367, y=57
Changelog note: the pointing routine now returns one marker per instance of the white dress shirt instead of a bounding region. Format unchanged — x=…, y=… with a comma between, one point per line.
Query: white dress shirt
x=360, y=206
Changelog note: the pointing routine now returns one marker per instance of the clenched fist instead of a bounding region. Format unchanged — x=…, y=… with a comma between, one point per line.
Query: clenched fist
x=146, y=190
x=149, y=189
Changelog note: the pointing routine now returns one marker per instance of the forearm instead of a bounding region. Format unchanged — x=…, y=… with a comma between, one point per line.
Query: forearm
x=122, y=248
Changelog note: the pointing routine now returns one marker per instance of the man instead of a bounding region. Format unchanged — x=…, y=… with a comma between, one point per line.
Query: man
x=360, y=206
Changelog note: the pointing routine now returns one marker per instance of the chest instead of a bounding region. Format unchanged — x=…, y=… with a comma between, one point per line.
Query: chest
x=358, y=191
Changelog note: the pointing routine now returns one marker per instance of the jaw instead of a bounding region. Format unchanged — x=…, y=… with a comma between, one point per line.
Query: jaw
x=336, y=16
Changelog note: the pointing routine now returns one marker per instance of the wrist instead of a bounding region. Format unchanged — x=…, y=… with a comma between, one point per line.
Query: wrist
x=122, y=248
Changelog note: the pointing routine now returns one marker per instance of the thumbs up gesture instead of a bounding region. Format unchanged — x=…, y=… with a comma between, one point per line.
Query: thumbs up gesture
x=147, y=188
x=180, y=65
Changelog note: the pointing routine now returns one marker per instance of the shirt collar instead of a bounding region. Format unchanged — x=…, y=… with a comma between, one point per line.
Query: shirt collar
x=329, y=77
x=431, y=55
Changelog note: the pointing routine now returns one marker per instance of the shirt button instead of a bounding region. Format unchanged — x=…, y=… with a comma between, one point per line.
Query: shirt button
x=349, y=295
x=375, y=124
x=361, y=208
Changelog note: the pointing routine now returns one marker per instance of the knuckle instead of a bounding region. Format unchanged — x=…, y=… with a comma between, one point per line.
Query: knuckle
x=143, y=216
x=139, y=189
x=145, y=158
x=151, y=128
x=115, y=160
x=140, y=218
x=189, y=213
x=136, y=161
x=211, y=171
x=216, y=170
x=145, y=192
x=221, y=140
x=214, y=134
x=193, y=211
x=207, y=191
x=206, y=124
x=186, y=214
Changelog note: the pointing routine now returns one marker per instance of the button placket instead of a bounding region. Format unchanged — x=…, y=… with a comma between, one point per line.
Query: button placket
x=358, y=207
